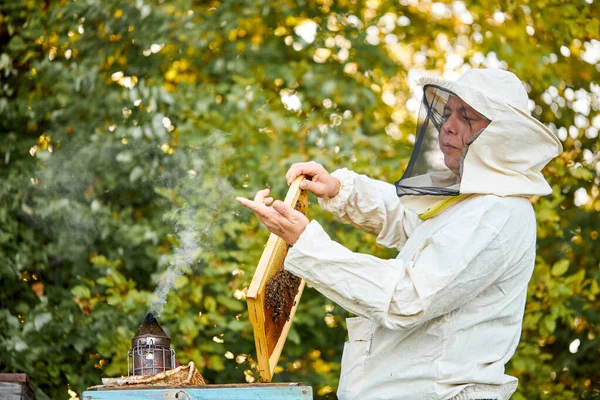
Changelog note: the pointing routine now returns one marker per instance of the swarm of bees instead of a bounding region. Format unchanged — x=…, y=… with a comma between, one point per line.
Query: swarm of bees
x=280, y=293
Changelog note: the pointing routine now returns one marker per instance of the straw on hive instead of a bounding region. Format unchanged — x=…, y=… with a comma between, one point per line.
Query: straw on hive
x=182, y=375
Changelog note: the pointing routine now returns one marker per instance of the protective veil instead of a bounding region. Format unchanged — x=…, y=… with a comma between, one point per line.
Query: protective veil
x=429, y=169
x=441, y=320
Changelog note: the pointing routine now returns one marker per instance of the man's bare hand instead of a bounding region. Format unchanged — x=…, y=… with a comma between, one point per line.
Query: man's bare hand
x=279, y=218
x=318, y=181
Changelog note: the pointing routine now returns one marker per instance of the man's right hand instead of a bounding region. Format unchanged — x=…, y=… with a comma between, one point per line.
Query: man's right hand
x=321, y=183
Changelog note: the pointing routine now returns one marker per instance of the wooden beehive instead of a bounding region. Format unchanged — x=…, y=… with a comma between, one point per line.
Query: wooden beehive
x=246, y=391
x=15, y=387
x=271, y=326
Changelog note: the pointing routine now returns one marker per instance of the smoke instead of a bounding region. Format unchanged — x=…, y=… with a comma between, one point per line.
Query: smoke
x=183, y=259
x=86, y=195
x=193, y=223
x=201, y=205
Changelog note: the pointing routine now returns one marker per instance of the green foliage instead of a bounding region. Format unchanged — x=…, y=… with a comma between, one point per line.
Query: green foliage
x=125, y=122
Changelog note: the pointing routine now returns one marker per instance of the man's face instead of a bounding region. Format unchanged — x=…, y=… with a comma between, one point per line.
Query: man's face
x=460, y=122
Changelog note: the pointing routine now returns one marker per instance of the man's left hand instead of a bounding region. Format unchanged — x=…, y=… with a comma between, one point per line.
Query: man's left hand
x=279, y=218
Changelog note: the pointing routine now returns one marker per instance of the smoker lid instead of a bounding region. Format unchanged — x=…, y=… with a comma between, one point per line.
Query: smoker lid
x=151, y=328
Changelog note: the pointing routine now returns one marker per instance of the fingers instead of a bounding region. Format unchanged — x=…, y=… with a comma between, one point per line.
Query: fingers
x=259, y=199
x=259, y=208
x=310, y=168
x=283, y=209
x=259, y=205
x=280, y=218
x=242, y=200
x=278, y=211
x=314, y=187
x=260, y=195
x=247, y=203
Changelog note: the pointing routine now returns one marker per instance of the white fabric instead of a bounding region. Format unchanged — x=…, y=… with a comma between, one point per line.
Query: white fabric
x=445, y=313
x=442, y=319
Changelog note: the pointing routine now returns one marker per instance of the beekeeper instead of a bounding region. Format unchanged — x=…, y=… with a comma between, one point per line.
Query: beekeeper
x=442, y=319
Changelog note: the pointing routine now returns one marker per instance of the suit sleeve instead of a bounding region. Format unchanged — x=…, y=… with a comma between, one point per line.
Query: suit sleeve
x=449, y=269
x=372, y=206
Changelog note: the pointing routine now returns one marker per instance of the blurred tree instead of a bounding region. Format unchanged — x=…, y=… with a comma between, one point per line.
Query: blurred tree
x=126, y=122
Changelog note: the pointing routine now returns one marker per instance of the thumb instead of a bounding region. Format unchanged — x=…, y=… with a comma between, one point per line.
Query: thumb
x=312, y=186
x=283, y=209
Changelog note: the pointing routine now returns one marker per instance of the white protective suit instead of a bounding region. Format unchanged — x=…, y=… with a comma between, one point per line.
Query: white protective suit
x=442, y=319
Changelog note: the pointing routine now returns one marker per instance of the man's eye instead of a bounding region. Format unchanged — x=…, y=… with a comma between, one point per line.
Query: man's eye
x=445, y=117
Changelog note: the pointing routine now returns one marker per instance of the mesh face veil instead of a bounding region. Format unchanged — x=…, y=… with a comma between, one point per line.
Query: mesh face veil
x=446, y=126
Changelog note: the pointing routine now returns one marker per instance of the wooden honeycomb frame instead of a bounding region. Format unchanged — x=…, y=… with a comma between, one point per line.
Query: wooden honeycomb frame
x=270, y=336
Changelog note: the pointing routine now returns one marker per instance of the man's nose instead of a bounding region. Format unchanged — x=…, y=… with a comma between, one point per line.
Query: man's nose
x=451, y=125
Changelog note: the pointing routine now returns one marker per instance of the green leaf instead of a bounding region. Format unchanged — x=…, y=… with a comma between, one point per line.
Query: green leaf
x=293, y=336
x=16, y=44
x=549, y=323
x=41, y=319
x=82, y=292
x=216, y=362
x=79, y=345
x=560, y=267
x=210, y=304
x=238, y=326
x=582, y=173
x=232, y=304
x=20, y=345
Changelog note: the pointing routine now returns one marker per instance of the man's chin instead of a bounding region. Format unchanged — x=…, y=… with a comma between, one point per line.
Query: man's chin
x=452, y=167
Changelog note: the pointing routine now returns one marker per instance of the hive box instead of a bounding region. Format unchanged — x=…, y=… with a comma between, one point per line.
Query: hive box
x=264, y=391
x=15, y=387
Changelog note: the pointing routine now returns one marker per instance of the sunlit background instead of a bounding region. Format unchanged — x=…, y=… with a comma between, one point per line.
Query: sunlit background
x=130, y=126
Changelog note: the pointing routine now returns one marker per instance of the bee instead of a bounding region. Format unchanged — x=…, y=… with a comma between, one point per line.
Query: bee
x=280, y=292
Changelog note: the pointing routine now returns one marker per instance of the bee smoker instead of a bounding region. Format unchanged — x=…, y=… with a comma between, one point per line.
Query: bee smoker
x=150, y=349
